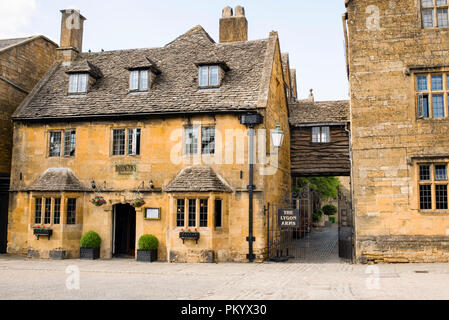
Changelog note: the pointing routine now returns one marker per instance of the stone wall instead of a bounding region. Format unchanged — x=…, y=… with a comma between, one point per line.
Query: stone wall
x=387, y=47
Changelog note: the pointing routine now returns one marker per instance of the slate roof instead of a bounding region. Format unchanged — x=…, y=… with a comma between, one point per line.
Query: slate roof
x=198, y=179
x=56, y=180
x=307, y=112
x=244, y=87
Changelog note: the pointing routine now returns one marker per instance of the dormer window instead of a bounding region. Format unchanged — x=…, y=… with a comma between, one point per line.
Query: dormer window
x=78, y=83
x=139, y=80
x=209, y=76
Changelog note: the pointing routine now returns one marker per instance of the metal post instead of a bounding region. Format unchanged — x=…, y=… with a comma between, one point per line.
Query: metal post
x=268, y=230
x=250, y=256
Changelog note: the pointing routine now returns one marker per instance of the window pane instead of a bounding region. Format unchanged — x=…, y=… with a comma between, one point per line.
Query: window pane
x=213, y=76
x=192, y=212
x=57, y=211
x=427, y=18
x=438, y=106
x=442, y=18
x=204, y=75
x=316, y=132
x=441, y=197
x=427, y=3
x=180, y=213
x=71, y=211
x=82, y=85
x=134, y=80
x=55, y=144
x=423, y=106
x=118, y=143
x=73, y=83
x=69, y=143
x=208, y=140
x=47, y=214
x=437, y=82
x=424, y=173
x=191, y=140
x=143, y=83
x=441, y=2
x=218, y=213
x=440, y=173
x=203, y=212
x=421, y=83
x=37, y=210
x=325, y=134
x=134, y=142
x=425, y=197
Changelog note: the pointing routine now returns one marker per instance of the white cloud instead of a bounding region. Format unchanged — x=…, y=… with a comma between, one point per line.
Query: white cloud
x=14, y=16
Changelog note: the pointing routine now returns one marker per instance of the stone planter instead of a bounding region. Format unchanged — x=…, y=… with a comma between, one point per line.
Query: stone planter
x=58, y=254
x=147, y=255
x=89, y=253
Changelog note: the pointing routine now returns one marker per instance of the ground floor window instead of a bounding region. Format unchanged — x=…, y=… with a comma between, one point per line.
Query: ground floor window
x=71, y=211
x=48, y=209
x=192, y=213
x=433, y=182
x=218, y=213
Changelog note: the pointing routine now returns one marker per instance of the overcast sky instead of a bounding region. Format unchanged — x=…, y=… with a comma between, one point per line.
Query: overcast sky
x=311, y=31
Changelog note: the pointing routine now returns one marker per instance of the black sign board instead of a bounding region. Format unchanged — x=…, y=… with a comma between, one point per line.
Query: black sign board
x=288, y=218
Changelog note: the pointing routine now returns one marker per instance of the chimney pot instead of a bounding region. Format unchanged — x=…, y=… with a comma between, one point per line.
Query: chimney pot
x=227, y=12
x=239, y=11
x=233, y=28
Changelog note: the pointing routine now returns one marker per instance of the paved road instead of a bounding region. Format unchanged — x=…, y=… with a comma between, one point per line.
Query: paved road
x=21, y=278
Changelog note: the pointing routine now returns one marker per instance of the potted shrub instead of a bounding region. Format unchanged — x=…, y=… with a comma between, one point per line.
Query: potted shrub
x=137, y=202
x=147, y=251
x=329, y=210
x=90, y=246
x=98, y=201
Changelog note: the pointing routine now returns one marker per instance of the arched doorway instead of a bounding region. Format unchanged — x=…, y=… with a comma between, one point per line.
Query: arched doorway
x=124, y=231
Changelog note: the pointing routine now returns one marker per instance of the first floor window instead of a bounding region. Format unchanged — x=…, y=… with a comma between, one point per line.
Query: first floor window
x=203, y=212
x=118, y=142
x=432, y=95
x=55, y=144
x=134, y=142
x=71, y=211
x=320, y=134
x=208, y=140
x=69, y=143
x=57, y=211
x=192, y=213
x=180, y=212
x=191, y=140
x=37, y=210
x=433, y=182
x=47, y=214
x=218, y=216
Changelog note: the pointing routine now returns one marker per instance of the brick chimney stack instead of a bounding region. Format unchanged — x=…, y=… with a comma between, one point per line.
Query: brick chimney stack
x=72, y=26
x=233, y=25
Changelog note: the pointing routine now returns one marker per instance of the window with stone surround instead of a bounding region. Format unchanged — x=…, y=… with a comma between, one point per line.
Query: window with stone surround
x=50, y=207
x=432, y=95
x=433, y=190
x=192, y=212
x=55, y=146
x=435, y=13
x=126, y=140
x=71, y=211
x=195, y=134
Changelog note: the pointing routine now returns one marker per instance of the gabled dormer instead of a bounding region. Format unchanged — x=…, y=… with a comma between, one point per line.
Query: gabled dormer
x=81, y=77
x=142, y=74
x=211, y=74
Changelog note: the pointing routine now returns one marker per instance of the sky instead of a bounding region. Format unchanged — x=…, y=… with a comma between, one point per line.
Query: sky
x=310, y=31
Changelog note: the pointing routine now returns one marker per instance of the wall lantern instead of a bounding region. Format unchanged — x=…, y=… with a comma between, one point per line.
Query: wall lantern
x=277, y=136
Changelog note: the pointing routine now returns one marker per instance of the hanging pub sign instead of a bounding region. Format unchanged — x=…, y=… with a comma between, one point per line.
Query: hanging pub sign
x=288, y=218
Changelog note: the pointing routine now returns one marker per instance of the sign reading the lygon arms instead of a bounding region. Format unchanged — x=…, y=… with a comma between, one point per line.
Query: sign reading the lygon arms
x=288, y=218
x=125, y=168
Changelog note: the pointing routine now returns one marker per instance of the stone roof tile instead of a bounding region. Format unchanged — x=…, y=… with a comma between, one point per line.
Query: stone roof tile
x=198, y=179
x=308, y=112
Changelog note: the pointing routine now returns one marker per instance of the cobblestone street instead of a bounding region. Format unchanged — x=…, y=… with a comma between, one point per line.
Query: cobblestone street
x=21, y=278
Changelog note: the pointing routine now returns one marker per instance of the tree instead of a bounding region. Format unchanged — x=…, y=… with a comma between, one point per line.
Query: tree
x=327, y=187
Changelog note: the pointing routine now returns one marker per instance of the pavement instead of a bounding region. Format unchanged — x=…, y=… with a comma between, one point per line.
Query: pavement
x=319, y=275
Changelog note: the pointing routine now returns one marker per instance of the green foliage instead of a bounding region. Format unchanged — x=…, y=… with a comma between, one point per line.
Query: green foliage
x=90, y=240
x=330, y=210
x=148, y=242
x=327, y=187
x=333, y=219
x=316, y=216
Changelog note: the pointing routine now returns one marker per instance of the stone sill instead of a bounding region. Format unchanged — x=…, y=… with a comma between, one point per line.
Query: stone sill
x=434, y=212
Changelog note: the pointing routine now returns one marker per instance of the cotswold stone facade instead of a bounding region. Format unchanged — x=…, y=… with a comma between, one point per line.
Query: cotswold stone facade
x=23, y=62
x=147, y=124
x=398, y=54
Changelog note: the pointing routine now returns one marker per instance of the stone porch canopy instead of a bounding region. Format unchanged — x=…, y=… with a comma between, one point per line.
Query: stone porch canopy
x=57, y=180
x=198, y=179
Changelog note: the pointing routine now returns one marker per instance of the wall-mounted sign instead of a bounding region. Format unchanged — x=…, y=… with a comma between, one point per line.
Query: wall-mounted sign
x=153, y=213
x=288, y=218
x=125, y=168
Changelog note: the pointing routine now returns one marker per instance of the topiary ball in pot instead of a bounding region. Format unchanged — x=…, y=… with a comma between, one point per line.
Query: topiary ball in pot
x=90, y=246
x=330, y=210
x=147, y=251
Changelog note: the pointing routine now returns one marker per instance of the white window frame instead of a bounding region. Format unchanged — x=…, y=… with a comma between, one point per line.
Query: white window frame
x=210, y=73
x=139, y=80
x=78, y=83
